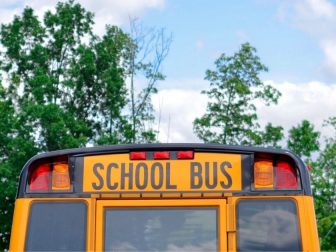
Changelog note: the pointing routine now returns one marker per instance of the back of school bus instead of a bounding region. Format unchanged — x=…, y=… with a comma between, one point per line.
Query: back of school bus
x=173, y=197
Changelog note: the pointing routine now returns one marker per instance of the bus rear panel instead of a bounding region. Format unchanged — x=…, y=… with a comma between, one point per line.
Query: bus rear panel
x=172, y=197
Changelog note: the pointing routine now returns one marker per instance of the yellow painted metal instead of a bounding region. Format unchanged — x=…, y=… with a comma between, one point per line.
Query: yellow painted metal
x=21, y=218
x=219, y=203
x=103, y=173
x=309, y=235
x=19, y=225
x=227, y=217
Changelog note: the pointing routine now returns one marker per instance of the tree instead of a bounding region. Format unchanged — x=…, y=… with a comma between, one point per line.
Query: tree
x=303, y=140
x=235, y=85
x=324, y=189
x=271, y=136
x=64, y=87
x=16, y=147
x=149, y=49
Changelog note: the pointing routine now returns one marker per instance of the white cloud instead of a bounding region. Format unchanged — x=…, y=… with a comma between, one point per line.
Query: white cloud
x=317, y=18
x=178, y=109
x=329, y=49
x=116, y=12
x=314, y=101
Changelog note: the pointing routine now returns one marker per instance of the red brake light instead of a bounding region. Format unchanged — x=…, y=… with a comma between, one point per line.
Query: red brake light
x=185, y=155
x=138, y=155
x=162, y=155
x=286, y=176
x=40, y=179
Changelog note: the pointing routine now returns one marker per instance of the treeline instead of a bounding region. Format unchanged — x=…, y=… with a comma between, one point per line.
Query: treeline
x=231, y=118
x=62, y=86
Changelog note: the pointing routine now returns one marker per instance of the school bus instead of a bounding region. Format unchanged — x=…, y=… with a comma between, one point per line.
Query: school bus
x=165, y=197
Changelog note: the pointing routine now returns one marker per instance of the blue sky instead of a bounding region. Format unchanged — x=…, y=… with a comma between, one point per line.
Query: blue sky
x=295, y=39
x=204, y=29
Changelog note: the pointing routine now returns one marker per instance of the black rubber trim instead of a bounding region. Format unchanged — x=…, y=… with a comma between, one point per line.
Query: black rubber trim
x=113, y=149
x=246, y=173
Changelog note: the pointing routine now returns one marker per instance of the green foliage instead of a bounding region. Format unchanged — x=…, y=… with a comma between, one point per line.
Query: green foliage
x=271, y=136
x=16, y=147
x=64, y=87
x=235, y=85
x=303, y=140
x=324, y=189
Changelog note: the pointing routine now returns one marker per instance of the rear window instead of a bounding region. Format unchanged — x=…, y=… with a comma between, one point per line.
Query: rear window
x=161, y=229
x=268, y=225
x=57, y=226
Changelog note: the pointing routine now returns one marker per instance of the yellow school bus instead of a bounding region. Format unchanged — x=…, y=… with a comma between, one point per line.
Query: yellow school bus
x=165, y=197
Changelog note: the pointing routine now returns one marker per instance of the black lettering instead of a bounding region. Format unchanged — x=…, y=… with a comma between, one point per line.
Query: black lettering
x=109, y=176
x=168, y=185
x=138, y=169
x=157, y=166
x=97, y=166
x=226, y=174
x=128, y=175
x=195, y=174
x=207, y=175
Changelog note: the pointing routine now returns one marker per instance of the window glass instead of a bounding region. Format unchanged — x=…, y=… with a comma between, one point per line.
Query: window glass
x=57, y=226
x=268, y=225
x=161, y=229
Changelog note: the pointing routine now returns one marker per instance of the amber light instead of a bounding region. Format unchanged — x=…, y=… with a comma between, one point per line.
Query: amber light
x=263, y=174
x=60, y=177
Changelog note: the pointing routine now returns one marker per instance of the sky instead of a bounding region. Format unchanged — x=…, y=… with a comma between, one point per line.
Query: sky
x=295, y=39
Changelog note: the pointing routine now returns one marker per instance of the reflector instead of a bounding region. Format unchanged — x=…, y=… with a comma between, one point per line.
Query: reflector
x=40, y=179
x=60, y=177
x=263, y=174
x=286, y=176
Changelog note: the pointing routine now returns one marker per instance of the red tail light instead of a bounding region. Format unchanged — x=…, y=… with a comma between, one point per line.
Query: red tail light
x=185, y=155
x=162, y=155
x=40, y=179
x=138, y=155
x=286, y=176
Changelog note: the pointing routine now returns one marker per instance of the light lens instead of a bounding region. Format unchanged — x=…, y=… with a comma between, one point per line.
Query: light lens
x=138, y=155
x=185, y=155
x=40, y=179
x=286, y=176
x=263, y=174
x=60, y=177
x=162, y=155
